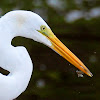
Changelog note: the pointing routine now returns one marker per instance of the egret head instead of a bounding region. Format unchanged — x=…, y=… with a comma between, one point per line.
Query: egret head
x=25, y=24
x=31, y=25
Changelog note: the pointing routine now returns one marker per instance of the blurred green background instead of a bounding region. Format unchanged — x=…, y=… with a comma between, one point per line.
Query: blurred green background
x=77, y=24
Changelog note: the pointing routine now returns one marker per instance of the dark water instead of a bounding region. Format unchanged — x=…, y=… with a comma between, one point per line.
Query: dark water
x=53, y=77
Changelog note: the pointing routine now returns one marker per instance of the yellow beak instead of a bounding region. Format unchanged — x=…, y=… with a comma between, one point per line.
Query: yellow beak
x=60, y=48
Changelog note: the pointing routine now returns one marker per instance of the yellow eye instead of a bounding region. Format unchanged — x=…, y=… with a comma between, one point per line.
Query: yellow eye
x=43, y=28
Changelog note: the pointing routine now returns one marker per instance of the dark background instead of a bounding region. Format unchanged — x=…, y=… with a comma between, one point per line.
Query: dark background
x=77, y=24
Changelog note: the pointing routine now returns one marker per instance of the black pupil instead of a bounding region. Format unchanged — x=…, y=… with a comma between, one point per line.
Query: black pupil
x=43, y=28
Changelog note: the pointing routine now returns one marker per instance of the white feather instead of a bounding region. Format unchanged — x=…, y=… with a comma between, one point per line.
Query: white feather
x=16, y=59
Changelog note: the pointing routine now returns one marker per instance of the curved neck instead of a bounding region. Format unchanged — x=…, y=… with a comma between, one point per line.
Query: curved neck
x=7, y=33
x=15, y=60
x=20, y=69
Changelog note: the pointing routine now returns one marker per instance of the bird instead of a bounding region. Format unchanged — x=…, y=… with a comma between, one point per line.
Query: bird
x=16, y=60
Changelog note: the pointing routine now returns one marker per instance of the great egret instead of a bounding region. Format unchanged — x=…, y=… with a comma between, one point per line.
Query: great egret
x=16, y=59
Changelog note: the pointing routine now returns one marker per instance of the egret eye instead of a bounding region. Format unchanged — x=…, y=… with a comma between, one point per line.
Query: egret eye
x=43, y=28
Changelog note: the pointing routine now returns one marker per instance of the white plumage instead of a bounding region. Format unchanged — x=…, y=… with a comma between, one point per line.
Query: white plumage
x=16, y=59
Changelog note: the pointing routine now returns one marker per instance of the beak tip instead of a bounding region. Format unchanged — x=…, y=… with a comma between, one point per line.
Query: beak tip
x=90, y=74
